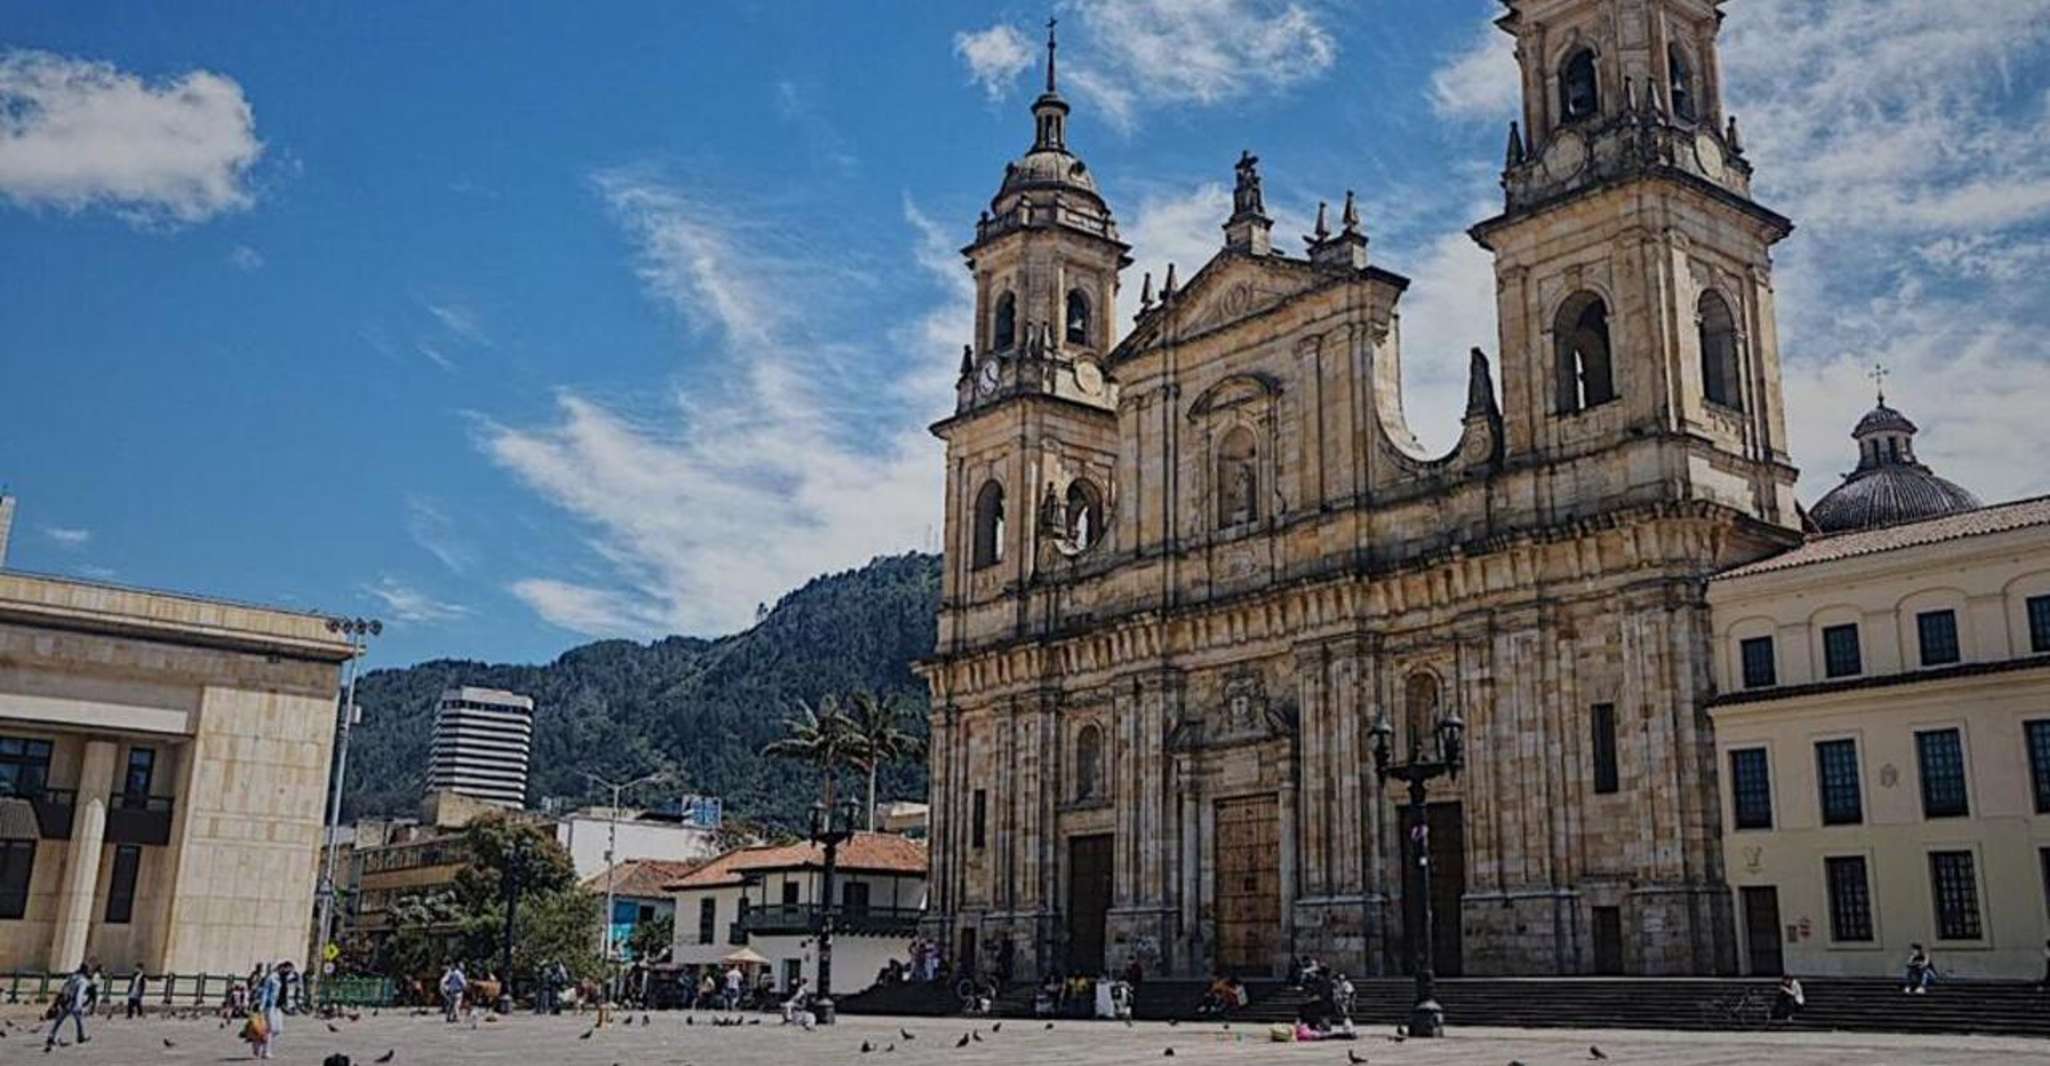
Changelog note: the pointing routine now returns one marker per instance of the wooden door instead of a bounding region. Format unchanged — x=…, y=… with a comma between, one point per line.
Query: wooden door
x=1447, y=836
x=1762, y=930
x=1089, y=887
x=1608, y=940
x=1248, y=888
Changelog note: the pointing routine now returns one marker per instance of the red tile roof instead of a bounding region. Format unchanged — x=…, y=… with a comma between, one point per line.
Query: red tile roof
x=1998, y=518
x=643, y=878
x=866, y=852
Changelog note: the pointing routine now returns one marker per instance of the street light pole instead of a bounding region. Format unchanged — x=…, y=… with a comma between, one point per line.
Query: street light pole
x=1426, y=1017
x=612, y=846
x=829, y=836
x=358, y=630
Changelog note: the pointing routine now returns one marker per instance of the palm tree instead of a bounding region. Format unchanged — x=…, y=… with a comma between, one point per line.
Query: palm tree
x=824, y=738
x=879, y=723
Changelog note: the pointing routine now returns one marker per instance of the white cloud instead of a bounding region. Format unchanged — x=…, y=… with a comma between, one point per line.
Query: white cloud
x=1133, y=54
x=246, y=258
x=736, y=491
x=1449, y=310
x=434, y=354
x=67, y=537
x=995, y=57
x=463, y=322
x=433, y=530
x=1480, y=81
x=95, y=573
x=76, y=134
x=407, y=604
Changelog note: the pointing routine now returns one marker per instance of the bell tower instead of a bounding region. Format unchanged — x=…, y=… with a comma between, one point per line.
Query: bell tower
x=1032, y=444
x=1633, y=268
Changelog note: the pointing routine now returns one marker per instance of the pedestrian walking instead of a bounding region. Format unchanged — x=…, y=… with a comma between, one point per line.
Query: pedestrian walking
x=453, y=984
x=95, y=982
x=733, y=987
x=70, y=1004
x=138, y=985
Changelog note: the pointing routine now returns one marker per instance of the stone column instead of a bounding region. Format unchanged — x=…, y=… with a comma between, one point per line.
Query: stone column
x=82, y=860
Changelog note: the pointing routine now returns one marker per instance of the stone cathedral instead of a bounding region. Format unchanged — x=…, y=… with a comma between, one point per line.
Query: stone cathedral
x=1190, y=565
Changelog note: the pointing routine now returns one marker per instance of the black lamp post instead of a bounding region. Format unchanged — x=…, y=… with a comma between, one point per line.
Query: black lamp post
x=515, y=873
x=1426, y=1018
x=829, y=833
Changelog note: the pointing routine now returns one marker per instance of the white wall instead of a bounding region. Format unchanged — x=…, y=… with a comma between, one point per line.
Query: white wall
x=585, y=838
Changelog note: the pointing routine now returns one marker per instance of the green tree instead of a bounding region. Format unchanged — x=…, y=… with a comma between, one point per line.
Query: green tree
x=824, y=738
x=555, y=921
x=883, y=728
x=653, y=938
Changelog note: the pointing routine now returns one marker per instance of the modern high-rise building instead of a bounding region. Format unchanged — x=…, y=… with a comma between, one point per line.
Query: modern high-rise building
x=482, y=737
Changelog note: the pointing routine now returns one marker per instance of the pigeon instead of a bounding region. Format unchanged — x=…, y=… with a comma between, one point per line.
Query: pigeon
x=1355, y=1057
x=587, y=1033
x=644, y=1020
x=963, y=1042
x=1172, y=1022
x=892, y=1046
x=1515, y=1062
x=977, y=1035
x=1401, y=1031
x=169, y=1043
x=387, y=1056
x=866, y=1047
x=1049, y=1026
x=1397, y=1038
x=1595, y=1053
x=331, y=1028
x=997, y=1028
x=1168, y=1054
x=906, y=1034
x=690, y=1019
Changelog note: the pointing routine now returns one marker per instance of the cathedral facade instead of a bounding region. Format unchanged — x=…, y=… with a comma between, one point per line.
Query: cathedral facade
x=1189, y=567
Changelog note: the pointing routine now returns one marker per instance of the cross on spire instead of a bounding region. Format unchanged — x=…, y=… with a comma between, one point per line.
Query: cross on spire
x=1879, y=375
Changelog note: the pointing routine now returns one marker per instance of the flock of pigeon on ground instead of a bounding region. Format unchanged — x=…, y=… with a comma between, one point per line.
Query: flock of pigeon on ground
x=9, y=1029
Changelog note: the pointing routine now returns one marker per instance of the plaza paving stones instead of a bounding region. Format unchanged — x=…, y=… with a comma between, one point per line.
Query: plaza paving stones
x=526, y=1040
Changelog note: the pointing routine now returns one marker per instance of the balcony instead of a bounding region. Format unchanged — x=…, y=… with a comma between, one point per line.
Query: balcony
x=138, y=819
x=800, y=918
x=53, y=807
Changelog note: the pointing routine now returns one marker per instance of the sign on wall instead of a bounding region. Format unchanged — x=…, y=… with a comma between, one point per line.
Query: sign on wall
x=705, y=812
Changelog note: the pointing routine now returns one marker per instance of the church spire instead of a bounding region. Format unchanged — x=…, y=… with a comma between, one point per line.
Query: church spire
x=1050, y=112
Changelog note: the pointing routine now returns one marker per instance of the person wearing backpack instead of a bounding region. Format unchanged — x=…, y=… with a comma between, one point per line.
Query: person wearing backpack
x=70, y=1004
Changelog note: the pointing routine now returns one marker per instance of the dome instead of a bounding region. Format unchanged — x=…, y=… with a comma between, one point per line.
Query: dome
x=1888, y=494
x=1883, y=419
x=1048, y=168
x=1890, y=485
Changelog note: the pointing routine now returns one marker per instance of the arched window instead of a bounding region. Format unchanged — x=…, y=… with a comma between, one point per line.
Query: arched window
x=1085, y=513
x=1586, y=377
x=1718, y=334
x=1682, y=83
x=989, y=525
x=1004, y=330
x=1088, y=763
x=1078, y=317
x=1238, y=479
x=1580, y=93
x=1420, y=706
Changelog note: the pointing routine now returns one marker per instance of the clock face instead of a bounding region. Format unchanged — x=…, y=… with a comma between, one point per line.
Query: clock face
x=1709, y=152
x=986, y=379
x=1088, y=378
x=1565, y=155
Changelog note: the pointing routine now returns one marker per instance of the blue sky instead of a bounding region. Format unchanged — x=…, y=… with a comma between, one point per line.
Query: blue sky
x=516, y=324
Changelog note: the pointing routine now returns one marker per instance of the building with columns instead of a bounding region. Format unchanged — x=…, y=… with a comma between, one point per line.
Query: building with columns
x=164, y=764
x=1190, y=564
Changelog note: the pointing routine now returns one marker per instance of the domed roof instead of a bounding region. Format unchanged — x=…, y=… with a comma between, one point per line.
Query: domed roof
x=1048, y=168
x=1888, y=494
x=1882, y=418
x=1890, y=485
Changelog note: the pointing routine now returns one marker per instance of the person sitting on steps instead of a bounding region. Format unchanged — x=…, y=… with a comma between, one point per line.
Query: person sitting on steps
x=1788, y=999
x=1921, y=972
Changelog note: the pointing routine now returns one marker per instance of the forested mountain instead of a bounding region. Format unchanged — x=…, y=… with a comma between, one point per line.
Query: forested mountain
x=703, y=707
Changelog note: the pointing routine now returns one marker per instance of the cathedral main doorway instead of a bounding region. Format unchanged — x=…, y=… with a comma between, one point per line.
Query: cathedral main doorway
x=1248, y=864
x=1447, y=835
x=1089, y=886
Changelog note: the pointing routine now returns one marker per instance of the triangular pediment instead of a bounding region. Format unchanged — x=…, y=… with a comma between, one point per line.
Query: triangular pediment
x=1231, y=288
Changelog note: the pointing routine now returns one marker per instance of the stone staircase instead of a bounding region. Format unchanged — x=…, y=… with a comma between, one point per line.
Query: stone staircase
x=2011, y=1008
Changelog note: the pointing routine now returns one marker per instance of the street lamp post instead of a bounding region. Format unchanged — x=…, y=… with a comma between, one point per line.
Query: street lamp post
x=358, y=630
x=515, y=874
x=827, y=834
x=612, y=847
x=1426, y=1018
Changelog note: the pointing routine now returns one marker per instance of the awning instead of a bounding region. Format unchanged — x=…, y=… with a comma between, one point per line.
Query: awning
x=746, y=957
